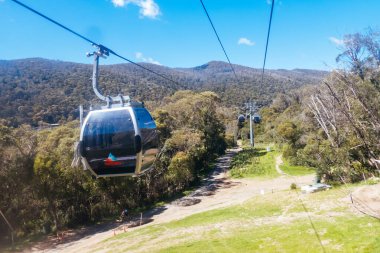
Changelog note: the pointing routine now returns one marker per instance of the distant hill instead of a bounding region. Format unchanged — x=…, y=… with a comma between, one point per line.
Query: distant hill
x=35, y=90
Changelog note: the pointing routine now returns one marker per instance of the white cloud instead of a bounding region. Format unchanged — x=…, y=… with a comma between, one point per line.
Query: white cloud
x=245, y=41
x=336, y=41
x=148, y=8
x=141, y=57
x=118, y=3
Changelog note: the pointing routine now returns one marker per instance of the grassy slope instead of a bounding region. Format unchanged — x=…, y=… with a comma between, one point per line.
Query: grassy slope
x=295, y=170
x=255, y=162
x=277, y=238
x=275, y=222
x=261, y=225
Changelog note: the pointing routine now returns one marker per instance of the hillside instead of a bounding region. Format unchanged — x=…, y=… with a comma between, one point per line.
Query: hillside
x=228, y=214
x=40, y=90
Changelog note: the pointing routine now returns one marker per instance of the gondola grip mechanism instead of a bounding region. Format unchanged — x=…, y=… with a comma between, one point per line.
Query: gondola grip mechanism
x=104, y=52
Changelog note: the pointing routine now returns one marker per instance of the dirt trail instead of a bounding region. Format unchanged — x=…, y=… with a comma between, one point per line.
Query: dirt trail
x=217, y=191
x=367, y=200
x=278, y=163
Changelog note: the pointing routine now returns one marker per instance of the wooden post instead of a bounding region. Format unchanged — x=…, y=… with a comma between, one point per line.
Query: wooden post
x=13, y=243
x=10, y=227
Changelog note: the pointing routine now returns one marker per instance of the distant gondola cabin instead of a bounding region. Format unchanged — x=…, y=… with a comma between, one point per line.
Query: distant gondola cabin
x=256, y=119
x=241, y=118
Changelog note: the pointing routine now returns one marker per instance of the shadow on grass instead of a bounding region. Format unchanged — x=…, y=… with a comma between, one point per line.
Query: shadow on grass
x=247, y=154
x=254, y=162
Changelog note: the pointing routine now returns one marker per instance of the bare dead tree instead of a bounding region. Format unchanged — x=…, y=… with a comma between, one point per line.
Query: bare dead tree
x=355, y=124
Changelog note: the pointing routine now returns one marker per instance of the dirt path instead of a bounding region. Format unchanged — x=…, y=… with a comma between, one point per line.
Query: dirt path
x=218, y=191
x=367, y=200
x=278, y=163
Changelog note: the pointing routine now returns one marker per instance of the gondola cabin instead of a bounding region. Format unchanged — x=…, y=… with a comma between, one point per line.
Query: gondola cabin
x=241, y=118
x=118, y=141
x=256, y=119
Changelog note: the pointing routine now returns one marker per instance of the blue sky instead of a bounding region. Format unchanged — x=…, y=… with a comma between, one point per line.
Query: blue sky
x=305, y=34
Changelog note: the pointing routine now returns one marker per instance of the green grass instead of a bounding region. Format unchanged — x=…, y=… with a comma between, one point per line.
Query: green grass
x=342, y=234
x=257, y=162
x=241, y=212
x=294, y=170
x=254, y=162
x=274, y=222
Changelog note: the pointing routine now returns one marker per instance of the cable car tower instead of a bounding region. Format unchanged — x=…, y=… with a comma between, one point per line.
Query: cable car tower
x=121, y=138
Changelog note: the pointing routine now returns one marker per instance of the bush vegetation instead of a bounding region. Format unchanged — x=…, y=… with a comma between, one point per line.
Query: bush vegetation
x=334, y=127
x=43, y=193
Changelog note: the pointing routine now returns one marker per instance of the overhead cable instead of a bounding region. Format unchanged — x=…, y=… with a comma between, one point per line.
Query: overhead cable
x=92, y=42
x=266, y=46
x=220, y=42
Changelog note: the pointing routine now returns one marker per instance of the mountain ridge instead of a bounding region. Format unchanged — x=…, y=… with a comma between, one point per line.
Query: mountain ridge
x=37, y=90
x=211, y=62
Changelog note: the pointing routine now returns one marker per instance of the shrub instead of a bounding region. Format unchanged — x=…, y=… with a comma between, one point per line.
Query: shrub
x=230, y=140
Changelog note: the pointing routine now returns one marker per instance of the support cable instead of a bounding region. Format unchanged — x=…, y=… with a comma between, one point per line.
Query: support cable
x=92, y=42
x=220, y=42
x=360, y=205
x=267, y=43
x=308, y=215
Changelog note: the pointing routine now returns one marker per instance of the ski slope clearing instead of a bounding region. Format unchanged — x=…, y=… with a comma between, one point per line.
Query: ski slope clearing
x=218, y=191
x=239, y=215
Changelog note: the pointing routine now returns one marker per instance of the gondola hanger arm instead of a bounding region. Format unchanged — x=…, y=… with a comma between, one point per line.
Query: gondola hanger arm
x=104, y=52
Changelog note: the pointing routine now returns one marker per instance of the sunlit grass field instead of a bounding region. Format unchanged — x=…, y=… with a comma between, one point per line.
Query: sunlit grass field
x=295, y=170
x=255, y=162
x=275, y=222
x=258, y=162
x=283, y=221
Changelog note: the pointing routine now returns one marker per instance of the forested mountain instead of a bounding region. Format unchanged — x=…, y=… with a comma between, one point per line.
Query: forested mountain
x=39, y=90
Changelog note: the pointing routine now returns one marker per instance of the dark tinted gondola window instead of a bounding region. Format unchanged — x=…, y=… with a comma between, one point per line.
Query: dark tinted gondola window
x=110, y=131
x=149, y=137
x=144, y=119
x=147, y=128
